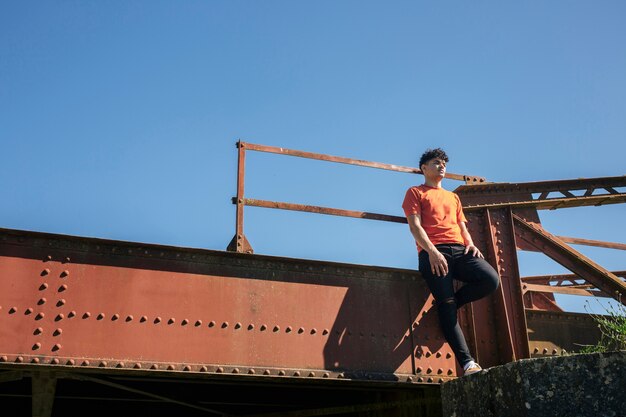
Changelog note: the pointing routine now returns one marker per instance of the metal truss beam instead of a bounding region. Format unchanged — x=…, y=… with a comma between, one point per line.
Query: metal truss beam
x=563, y=279
x=552, y=194
x=575, y=261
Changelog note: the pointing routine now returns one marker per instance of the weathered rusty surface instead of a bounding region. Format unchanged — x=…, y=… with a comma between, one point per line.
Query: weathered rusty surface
x=590, y=242
x=575, y=261
x=554, y=333
x=597, y=191
x=84, y=302
x=352, y=161
x=500, y=327
x=240, y=243
x=323, y=210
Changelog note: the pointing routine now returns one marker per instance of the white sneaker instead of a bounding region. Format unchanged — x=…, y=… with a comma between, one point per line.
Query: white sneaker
x=472, y=368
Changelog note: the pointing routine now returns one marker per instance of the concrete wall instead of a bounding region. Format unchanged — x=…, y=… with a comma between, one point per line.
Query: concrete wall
x=586, y=385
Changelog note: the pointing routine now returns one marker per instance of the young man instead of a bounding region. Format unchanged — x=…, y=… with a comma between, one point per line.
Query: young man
x=446, y=252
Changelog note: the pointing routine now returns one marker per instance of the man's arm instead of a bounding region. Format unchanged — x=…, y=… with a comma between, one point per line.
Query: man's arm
x=438, y=263
x=469, y=243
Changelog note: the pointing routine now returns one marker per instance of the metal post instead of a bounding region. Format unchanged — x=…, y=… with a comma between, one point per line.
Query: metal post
x=239, y=243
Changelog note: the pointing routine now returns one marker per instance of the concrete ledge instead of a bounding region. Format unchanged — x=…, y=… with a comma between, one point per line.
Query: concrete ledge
x=578, y=385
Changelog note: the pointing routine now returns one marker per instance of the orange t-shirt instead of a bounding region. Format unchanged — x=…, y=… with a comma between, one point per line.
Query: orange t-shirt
x=440, y=212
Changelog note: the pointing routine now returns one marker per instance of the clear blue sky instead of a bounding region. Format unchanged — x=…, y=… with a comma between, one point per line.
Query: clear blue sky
x=119, y=120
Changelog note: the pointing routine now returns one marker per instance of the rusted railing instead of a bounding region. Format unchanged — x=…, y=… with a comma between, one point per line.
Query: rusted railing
x=240, y=243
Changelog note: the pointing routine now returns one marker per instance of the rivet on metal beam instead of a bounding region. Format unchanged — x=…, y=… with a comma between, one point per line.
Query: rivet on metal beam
x=12, y=310
x=326, y=375
x=198, y=323
x=420, y=379
x=103, y=364
x=45, y=272
x=41, y=301
x=100, y=316
x=154, y=366
x=429, y=370
x=211, y=324
x=85, y=363
x=28, y=311
x=450, y=371
x=54, y=361
x=419, y=369
x=57, y=332
x=440, y=371
x=297, y=373
x=171, y=321
x=184, y=322
x=187, y=368
x=86, y=315
x=313, y=330
x=203, y=369
x=71, y=362
x=288, y=329
x=251, y=371
x=59, y=317
x=38, y=330
x=43, y=287
x=276, y=328
x=19, y=359
x=235, y=370
x=60, y=303
x=170, y=367
x=219, y=370
x=36, y=346
x=281, y=373
x=237, y=325
x=129, y=318
x=143, y=319
x=224, y=325
x=311, y=374
x=409, y=379
x=266, y=372
x=63, y=288
x=448, y=355
x=120, y=365
x=115, y=317
x=251, y=327
x=56, y=347
x=325, y=332
x=157, y=320
x=48, y=258
x=39, y=316
x=438, y=354
x=65, y=273
x=3, y=359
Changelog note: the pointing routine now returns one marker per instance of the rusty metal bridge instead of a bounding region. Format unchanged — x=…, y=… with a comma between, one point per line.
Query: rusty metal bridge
x=123, y=327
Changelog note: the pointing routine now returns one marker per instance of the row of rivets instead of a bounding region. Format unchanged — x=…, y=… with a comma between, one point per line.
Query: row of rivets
x=219, y=369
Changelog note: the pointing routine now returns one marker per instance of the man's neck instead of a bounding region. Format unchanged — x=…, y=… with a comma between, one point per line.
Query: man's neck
x=433, y=182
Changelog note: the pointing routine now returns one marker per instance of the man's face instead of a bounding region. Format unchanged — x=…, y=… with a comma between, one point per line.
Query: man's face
x=434, y=168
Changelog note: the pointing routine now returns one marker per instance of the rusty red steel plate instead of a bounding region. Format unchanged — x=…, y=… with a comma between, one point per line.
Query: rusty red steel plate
x=90, y=302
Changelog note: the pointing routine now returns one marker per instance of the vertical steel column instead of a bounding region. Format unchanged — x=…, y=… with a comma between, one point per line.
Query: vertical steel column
x=239, y=243
x=497, y=323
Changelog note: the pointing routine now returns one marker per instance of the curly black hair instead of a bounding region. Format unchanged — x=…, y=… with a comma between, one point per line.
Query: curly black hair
x=432, y=154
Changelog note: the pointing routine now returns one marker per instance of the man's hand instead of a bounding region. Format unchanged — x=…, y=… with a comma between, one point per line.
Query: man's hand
x=474, y=250
x=438, y=263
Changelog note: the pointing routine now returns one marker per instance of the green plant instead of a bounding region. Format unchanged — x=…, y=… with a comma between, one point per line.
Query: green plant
x=612, y=329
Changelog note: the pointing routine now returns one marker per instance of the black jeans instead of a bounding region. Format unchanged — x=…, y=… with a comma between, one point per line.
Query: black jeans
x=479, y=278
